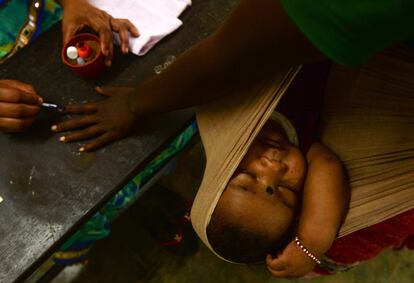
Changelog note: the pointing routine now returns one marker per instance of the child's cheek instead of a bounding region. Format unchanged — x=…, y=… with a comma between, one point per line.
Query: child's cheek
x=297, y=168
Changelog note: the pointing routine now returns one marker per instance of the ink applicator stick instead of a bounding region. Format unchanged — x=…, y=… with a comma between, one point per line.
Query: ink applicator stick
x=51, y=106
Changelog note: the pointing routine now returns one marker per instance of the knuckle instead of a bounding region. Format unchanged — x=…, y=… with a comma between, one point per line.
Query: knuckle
x=20, y=110
x=124, y=24
x=30, y=87
x=6, y=93
x=60, y=127
x=114, y=26
x=105, y=33
x=104, y=15
x=68, y=138
x=125, y=33
x=20, y=96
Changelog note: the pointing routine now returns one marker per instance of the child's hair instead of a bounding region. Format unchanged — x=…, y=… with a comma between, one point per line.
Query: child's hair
x=237, y=244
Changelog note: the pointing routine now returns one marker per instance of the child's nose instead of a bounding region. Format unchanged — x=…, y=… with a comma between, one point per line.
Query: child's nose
x=276, y=166
x=271, y=171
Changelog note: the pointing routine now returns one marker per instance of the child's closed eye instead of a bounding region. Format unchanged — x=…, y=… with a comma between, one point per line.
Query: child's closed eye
x=288, y=196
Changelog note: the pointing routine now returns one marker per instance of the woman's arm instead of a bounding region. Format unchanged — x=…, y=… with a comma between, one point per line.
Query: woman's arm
x=257, y=39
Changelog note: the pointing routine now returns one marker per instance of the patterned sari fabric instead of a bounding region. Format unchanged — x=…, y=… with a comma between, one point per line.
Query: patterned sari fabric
x=22, y=21
x=16, y=14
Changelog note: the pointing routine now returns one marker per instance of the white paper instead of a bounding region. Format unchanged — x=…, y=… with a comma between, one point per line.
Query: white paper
x=154, y=19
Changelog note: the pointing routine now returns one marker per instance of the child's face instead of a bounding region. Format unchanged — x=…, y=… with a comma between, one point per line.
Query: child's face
x=262, y=195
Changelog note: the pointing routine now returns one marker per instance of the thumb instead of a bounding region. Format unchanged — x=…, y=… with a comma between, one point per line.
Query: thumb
x=276, y=263
x=21, y=86
x=104, y=90
x=69, y=31
x=112, y=90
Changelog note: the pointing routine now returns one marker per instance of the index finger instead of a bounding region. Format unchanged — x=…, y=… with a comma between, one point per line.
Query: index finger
x=14, y=95
x=87, y=108
x=105, y=35
x=107, y=46
x=70, y=30
x=106, y=38
x=19, y=85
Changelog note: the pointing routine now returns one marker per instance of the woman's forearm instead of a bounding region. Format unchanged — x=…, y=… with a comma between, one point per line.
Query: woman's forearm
x=256, y=40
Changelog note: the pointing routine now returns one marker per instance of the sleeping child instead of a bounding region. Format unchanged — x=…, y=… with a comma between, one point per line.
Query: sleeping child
x=289, y=195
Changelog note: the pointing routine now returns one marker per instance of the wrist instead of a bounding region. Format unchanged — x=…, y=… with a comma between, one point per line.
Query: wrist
x=306, y=251
x=139, y=103
x=69, y=3
x=317, y=243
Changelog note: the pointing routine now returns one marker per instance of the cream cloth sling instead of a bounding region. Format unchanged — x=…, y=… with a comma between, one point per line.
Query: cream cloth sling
x=368, y=122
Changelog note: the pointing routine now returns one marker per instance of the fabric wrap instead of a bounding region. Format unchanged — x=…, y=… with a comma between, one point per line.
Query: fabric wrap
x=368, y=122
x=227, y=128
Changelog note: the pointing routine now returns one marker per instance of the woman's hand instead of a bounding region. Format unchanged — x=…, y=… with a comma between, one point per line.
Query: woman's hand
x=19, y=105
x=105, y=121
x=291, y=263
x=79, y=13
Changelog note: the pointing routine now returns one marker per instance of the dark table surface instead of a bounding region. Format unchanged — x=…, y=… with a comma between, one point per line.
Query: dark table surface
x=49, y=189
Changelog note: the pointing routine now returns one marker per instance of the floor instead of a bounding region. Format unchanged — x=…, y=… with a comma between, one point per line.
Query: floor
x=131, y=255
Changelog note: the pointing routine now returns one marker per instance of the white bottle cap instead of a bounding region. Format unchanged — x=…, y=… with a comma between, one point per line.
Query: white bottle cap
x=72, y=52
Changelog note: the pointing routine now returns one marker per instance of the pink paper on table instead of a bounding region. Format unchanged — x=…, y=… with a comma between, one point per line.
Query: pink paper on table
x=154, y=19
